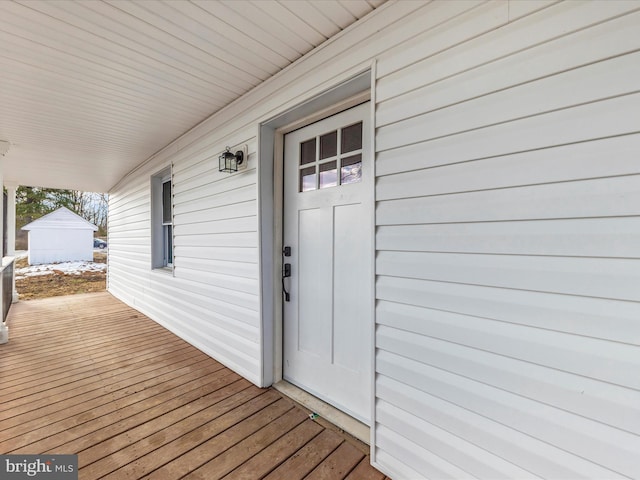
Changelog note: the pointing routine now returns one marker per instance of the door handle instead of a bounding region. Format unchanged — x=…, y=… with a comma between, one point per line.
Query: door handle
x=286, y=272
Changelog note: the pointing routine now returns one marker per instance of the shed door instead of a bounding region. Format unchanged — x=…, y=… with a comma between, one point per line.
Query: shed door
x=328, y=225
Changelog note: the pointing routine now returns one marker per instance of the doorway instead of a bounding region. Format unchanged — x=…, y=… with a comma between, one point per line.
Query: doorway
x=328, y=236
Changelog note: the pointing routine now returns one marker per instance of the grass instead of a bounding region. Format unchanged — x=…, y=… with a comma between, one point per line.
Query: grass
x=59, y=283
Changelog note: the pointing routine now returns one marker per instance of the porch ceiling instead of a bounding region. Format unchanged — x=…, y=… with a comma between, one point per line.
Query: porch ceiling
x=89, y=90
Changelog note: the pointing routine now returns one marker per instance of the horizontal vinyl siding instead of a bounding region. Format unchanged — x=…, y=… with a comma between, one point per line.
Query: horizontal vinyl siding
x=129, y=240
x=507, y=230
x=211, y=298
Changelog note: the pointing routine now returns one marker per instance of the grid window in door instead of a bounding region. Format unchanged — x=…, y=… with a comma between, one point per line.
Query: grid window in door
x=331, y=159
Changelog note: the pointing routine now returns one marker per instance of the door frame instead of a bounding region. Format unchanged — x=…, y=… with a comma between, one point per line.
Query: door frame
x=354, y=91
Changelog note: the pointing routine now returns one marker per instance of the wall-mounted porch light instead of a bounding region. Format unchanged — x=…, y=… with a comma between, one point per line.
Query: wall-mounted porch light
x=230, y=162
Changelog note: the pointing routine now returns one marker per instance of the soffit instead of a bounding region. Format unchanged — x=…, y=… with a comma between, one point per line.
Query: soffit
x=90, y=89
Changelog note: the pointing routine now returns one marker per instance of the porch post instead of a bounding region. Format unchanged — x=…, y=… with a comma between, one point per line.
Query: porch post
x=11, y=220
x=4, y=331
x=11, y=229
x=2, y=252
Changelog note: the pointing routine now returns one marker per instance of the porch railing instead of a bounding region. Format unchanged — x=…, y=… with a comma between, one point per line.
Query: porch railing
x=7, y=285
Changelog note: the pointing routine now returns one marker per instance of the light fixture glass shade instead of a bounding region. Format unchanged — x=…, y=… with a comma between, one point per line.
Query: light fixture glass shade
x=228, y=162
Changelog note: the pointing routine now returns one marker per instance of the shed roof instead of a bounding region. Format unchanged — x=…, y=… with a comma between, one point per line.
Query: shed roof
x=62, y=218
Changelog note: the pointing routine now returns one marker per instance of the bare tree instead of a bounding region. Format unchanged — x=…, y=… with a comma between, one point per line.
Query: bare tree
x=33, y=202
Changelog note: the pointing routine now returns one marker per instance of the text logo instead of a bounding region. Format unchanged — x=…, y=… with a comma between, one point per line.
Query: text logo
x=45, y=467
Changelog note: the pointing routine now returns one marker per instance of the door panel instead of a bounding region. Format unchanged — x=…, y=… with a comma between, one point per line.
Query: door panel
x=350, y=291
x=314, y=274
x=328, y=224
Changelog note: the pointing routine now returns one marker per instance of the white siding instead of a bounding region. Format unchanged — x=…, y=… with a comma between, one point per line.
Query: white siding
x=508, y=299
x=507, y=225
x=211, y=298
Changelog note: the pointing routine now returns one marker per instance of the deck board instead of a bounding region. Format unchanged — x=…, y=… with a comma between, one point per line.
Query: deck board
x=337, y=465
x=87, y=374
x=307, y=458
x=277, y=452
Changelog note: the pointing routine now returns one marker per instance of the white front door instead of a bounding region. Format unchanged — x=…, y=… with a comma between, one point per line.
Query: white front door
x=328, y=217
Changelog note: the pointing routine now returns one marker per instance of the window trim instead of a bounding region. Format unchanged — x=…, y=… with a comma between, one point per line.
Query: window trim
x=162, y=246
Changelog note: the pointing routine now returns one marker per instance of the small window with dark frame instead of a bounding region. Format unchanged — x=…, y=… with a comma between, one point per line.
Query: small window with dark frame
x=336, y=161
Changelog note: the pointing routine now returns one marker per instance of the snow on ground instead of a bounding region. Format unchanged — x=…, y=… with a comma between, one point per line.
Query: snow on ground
x=67, y=268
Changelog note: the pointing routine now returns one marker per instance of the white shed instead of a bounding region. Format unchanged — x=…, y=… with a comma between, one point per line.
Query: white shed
x=60, y=236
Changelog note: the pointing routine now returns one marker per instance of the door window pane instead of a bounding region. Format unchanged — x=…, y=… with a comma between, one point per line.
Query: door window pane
x=308, y=179
x=308, y=151
x=351, y=138
x=328, y=174
x=351, y=171
x=329, y=145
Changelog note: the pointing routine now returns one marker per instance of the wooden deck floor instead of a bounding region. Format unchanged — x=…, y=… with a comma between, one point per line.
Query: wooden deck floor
x=86, y=374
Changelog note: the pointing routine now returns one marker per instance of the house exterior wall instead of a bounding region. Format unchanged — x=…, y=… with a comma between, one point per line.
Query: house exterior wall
x=507, y=300
x=211, y=297
x=507, y=229
x=53, y=245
